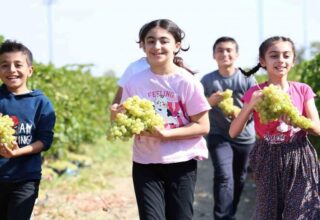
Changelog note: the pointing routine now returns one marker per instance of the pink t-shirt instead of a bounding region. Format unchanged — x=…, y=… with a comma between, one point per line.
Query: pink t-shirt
x=277, y=131
x=176, y=97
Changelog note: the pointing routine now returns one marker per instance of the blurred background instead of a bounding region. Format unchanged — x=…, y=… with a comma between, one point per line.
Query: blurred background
x=104, y=32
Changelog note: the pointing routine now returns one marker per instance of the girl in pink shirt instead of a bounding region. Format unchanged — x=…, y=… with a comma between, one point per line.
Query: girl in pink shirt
x=165, y=161
x=285, y=164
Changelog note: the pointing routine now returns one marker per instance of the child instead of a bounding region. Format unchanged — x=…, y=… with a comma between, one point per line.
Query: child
x=165, y=161
x=229, y=156
x=285, y=164
x=34, y=119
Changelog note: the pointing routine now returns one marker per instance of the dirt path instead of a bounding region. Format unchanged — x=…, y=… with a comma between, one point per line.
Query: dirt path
x=203, y=205
x=119, y=202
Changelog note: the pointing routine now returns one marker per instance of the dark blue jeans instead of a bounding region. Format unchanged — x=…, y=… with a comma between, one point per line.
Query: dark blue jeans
x=165, y=191
x=17, y=199
x=230, y=163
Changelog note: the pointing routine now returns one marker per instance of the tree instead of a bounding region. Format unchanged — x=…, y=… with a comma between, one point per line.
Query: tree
x=314, y=50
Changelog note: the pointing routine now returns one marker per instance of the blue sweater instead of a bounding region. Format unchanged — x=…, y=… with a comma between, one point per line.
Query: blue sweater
x=34, y=118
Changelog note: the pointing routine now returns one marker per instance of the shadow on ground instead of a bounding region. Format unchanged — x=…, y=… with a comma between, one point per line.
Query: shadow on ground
x=203, y=204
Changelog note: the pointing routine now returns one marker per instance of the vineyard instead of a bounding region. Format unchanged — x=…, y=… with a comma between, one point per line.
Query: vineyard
x=81, y=101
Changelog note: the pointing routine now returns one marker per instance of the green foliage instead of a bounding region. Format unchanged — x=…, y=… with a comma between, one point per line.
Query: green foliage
x=309, y=73
x=81, y=103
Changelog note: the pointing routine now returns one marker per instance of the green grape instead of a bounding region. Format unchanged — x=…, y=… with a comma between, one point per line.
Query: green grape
x=139, y=116
x=6, y=131
x=276, y=103
x=226, y=105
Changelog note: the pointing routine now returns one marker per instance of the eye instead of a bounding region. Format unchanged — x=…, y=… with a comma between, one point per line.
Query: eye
x=150, y=41
x=165, y=41
x=3, y=65
x=287, y=55
x=220, y=50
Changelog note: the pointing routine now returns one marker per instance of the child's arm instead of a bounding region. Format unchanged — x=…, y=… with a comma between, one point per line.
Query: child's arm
x=33, y=148
x=117, y=97
x=313, y=114
x=198, y=126
x=239, y=123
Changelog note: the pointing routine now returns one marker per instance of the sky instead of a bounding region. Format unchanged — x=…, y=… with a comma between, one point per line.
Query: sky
x=104, y=32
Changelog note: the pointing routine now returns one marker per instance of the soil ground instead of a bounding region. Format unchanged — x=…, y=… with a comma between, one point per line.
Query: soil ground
x=203, y=205
x=118, y=203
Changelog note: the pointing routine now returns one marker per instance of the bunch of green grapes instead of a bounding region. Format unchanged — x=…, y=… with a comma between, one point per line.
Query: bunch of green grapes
x=139, y=115
x=6, y=131
x=226, y=105
x=276, y=103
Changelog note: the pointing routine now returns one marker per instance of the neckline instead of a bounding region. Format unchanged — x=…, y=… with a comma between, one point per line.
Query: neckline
x=287, y=90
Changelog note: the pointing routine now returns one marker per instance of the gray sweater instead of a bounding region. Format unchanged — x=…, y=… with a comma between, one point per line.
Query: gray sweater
x=219, y=123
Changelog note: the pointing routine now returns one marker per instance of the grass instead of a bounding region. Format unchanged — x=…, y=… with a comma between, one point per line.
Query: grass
x=108, y=160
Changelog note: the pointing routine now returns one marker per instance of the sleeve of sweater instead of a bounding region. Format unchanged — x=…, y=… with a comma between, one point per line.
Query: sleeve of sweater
x=45, y=125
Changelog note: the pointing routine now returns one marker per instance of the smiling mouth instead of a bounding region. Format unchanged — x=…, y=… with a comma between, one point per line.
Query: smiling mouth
x=280, y=68
x=158, y=54
x=13, y=78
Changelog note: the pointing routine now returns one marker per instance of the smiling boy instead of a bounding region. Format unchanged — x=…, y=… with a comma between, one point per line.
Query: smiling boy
x=34, y=117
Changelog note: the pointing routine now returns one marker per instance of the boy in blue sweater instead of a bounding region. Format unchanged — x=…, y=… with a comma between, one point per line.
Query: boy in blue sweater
x=34, y=119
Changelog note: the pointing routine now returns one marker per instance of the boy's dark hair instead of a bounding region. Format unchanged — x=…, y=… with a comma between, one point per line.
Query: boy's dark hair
x=225, y=39
x=14, y=46
x=263, y=49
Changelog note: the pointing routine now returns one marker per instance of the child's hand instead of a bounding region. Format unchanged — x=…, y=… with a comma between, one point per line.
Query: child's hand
x=255, y=98
x=7, y=152
x=286, y=119
x=235, y=113
x=159, y=133
x=115, y=109
x=215, y=98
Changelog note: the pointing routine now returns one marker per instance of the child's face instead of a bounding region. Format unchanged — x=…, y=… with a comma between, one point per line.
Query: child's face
x=225, y=54
x=160, y=46
x=14, y=71
x=278, y=59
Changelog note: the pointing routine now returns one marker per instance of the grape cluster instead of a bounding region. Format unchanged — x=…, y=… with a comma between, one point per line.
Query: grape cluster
x=226, y=105
x=276, y=103
x=139, y=115
x=6, y=131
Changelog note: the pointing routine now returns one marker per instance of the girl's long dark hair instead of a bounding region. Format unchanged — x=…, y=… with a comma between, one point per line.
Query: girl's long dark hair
x=179, y=62
x=252, y=71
